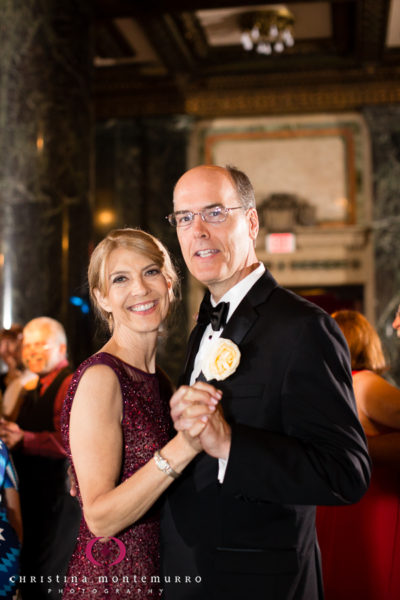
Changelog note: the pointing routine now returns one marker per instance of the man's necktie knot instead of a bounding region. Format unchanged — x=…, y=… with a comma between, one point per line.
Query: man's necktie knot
x=216, y=315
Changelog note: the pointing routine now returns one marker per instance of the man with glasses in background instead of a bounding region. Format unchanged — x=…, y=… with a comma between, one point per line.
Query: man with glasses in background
x=240, y=521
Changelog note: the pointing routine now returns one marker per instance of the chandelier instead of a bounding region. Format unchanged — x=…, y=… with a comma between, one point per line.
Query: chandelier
x=267, y=31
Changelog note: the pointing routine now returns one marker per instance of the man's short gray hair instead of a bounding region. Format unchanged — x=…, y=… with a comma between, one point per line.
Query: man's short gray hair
x=57, y=331
x=243, y=186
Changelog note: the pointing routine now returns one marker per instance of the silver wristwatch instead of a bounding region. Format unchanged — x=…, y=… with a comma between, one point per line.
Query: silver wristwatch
x=164, y=465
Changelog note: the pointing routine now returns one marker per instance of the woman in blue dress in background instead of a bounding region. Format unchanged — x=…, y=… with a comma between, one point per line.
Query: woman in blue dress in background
x=10, y=526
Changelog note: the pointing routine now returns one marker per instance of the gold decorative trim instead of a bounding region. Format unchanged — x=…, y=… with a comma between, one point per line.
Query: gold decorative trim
x=250, y=102
x=292, y=100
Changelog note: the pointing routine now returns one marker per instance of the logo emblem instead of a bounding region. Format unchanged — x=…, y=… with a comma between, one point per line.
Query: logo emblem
x=105, y=552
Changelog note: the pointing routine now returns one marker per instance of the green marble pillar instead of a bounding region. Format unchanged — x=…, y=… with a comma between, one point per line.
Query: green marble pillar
x=384, y=126
x=45, y=147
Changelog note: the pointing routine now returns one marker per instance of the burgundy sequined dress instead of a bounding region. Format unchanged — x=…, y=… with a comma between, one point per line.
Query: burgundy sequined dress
x=146, y=427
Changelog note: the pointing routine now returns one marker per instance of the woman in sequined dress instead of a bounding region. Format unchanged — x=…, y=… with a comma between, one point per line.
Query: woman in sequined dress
x=116, y=419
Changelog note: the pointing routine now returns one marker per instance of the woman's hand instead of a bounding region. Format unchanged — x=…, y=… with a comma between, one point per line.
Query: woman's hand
x=10, y=433
x=191, y=409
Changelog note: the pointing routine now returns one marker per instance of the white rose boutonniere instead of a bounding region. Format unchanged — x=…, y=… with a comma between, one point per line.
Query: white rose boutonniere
x=222, y=359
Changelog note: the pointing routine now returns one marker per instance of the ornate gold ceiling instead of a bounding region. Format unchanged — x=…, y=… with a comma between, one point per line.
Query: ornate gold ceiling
x=160, y=58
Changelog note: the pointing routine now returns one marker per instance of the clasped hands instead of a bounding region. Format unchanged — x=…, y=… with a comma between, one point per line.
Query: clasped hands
x=196, y=411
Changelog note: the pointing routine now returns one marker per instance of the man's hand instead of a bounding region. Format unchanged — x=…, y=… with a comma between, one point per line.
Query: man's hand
x=191, y=407
x=199, y=403
x=201, y=398
x=215, y=438
x=10, y=433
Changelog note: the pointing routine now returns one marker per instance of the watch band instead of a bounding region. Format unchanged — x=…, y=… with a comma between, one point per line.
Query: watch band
x=164, y=465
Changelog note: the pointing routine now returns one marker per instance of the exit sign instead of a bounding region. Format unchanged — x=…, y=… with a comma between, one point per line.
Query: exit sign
x=280, y=243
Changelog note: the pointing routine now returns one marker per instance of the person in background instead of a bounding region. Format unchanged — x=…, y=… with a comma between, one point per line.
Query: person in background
x=10, y=354
x=10, y=526
x=17, y=375
x=285, y=437
x=396, y=322
x=117, y=427
x=50, y=515
x=360, y=544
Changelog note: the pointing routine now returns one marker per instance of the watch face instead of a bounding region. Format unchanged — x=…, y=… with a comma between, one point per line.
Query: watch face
x=162, y=462
x=164, y=465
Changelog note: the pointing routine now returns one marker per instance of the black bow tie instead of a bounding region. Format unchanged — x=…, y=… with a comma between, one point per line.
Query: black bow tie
x=216, y=315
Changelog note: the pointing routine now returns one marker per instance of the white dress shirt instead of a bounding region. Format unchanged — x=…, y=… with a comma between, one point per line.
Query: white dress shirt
x=234, y=296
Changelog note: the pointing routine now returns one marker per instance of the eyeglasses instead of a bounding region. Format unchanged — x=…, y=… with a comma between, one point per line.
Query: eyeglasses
x=213, y=214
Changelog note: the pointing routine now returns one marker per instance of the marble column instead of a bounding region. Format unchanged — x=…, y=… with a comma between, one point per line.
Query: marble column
x=384, y=126
x=45, y=147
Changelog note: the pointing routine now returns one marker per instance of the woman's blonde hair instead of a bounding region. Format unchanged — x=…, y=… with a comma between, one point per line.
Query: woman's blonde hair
x=363, y=341
x=138, y=241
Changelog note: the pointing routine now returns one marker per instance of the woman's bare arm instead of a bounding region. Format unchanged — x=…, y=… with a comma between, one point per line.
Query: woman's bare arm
x=96, y=447
x=377, y=399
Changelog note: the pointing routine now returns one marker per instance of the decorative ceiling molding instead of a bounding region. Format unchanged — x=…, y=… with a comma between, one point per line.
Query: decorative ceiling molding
x=171, y=47
x=213, y=103
x=346, y=68
x=194, y=33
x=293, y=100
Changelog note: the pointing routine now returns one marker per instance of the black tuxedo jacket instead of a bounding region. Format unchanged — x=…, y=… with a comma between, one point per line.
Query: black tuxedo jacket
x=296, y=443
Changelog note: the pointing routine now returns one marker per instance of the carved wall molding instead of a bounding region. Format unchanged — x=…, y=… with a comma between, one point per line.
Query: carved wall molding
x=130, y=101
x=292, y=100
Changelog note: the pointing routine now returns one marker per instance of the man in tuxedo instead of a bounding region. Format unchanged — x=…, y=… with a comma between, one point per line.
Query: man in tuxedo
x=240, y=521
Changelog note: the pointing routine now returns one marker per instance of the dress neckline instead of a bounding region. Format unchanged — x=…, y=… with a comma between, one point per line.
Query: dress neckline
x=126, y=363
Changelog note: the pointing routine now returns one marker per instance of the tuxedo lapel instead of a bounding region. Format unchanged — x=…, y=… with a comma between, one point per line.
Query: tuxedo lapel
x=192, y=347
x=238, y=325
x=194, y=340
x=246, y=313
x=240, y=322
x=204, y=468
